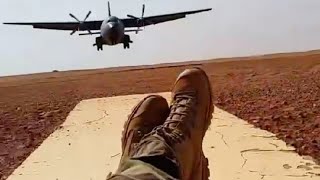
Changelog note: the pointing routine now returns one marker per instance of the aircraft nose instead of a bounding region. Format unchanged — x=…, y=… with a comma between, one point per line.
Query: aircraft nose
x=111, y=25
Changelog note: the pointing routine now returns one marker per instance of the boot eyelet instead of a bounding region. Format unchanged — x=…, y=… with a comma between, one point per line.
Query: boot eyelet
x=139, y=133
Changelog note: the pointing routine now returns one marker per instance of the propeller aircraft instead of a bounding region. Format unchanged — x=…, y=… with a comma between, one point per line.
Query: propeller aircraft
x=112, y=30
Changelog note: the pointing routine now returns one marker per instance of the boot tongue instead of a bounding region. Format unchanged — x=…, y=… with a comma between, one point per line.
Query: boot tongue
x=180, y=111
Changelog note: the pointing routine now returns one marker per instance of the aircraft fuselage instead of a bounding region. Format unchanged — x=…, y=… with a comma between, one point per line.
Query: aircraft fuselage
x=112, y=31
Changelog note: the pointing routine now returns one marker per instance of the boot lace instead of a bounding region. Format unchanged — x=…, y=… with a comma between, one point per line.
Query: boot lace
x=178, y=126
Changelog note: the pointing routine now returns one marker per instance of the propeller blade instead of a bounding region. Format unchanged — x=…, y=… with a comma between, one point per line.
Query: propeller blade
x=87, y=16
x=140, y=21
x=131, y=16
x=89, y=31
x=109, y=10
x=72, y=32
x=74, y=17
x=143, y=9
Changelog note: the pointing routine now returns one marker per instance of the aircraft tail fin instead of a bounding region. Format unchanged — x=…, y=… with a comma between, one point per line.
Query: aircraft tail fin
x=109, y=10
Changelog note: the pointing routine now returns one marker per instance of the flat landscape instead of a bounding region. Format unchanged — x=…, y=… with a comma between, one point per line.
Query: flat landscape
x=279, y=93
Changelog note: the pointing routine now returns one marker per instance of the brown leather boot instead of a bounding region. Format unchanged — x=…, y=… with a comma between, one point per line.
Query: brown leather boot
x=180, y=137
x=150, y=112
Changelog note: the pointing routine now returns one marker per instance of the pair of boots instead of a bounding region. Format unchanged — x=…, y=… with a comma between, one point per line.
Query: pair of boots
x=162, y=142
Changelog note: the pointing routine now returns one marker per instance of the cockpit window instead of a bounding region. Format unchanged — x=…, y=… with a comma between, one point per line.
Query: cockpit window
x=112, y=19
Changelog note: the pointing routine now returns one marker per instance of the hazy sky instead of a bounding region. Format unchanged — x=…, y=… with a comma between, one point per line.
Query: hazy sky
x=233, y=28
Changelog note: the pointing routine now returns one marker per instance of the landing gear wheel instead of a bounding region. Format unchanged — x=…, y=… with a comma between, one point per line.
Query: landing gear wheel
x=99, y=48
x=126, y=42
x=99, y=43
x=126, y=45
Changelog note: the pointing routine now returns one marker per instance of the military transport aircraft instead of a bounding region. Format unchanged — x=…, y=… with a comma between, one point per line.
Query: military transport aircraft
x=111, y=30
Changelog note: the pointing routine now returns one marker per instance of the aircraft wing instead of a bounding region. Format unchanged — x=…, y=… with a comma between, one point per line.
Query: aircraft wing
x=152, y=20
x=92, y=25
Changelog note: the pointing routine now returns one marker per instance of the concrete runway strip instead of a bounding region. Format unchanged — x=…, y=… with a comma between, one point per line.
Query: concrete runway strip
x=87, y=147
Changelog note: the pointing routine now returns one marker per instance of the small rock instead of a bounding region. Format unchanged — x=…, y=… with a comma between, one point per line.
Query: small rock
x=303, y=114
x=287, y=166
x=46, y=114
x=304, y=167
x=256, y=118
x=286, y=116
x=289, y=109
x=255, y=121
x=276, y=117
x=273, y=106
x=59, y=111
x=309, y=164
x=268, y=117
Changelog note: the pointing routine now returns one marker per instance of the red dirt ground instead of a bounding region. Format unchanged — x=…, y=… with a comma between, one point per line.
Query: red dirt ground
x=278, y=93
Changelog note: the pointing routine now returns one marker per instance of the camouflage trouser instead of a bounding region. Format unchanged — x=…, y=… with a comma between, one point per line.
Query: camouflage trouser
x=153, y=160
x=139, y=170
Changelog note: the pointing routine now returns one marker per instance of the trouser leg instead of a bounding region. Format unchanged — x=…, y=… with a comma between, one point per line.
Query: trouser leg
x=141, y=170
x=153, y=160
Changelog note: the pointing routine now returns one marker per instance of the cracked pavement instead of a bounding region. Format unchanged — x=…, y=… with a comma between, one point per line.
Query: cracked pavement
x=88, y=146
x=245, y=152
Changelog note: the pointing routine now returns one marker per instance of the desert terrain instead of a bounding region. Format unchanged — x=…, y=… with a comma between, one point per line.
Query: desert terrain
x=279, y=93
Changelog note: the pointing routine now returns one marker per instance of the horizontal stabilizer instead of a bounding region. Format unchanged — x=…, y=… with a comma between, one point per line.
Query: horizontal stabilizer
x=82, y=34
x=132, y=30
